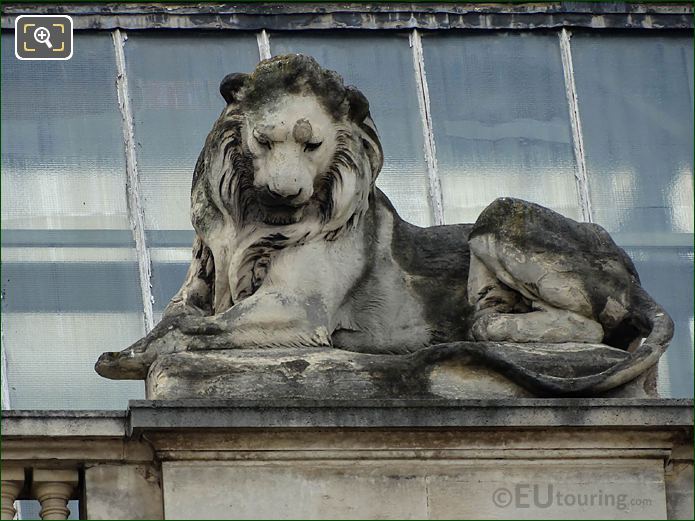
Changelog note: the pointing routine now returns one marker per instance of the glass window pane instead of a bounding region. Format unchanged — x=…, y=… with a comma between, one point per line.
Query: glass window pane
x=636, y=106
x=381, y=66
x=70, y=286
x=501, y=121
x=62, y=140
x=170, y=268
x=174, y=83
x=636, y=110
x=50, y=358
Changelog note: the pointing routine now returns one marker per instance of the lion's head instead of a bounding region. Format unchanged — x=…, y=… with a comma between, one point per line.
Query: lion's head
x=293, y=145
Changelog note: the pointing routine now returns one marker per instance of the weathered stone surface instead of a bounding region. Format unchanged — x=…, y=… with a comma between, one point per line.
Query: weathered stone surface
x=123, y=491
x=414, y=414
x=679, y=488
x=291, y=491
x=449, y=488
x=516, y=459
x=318, y=374
x=458, y=370
x=594, y=488
x=427, y=458
x=507, y=459
x=295, y=247
x=572, y=275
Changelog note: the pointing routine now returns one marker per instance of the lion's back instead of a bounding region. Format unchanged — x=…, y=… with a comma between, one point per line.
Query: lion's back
x=436, y=261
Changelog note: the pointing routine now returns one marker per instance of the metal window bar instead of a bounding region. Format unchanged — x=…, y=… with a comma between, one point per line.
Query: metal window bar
x=5, y=381
x=580, y=175
x=136, y=214
x=435, y=187
x=263, y=45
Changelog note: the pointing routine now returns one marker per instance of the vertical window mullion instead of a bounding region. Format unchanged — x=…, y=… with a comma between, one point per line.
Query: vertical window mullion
x=435, y=187
x=263, y=45
x=581, y=175
x=136, y=214
x=5, y=382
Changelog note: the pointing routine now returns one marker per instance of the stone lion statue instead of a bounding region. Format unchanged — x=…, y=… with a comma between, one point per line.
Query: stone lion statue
x=295, y=247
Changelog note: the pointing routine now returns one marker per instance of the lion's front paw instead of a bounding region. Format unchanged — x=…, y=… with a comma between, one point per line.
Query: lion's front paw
x=124, y=365
x=133, y=362
x=202, y=326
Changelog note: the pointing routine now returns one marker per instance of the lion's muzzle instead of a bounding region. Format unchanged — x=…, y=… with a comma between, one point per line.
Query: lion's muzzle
x=286, y=198
x=279, y=209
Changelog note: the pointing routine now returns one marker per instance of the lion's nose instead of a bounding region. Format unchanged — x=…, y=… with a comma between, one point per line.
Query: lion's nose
x=281, y=197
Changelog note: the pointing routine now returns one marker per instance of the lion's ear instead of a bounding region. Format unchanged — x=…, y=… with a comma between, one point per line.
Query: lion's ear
x=359, y=106
x=231, y=84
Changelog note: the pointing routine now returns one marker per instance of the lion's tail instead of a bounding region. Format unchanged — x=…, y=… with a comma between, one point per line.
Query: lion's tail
x=651, y=349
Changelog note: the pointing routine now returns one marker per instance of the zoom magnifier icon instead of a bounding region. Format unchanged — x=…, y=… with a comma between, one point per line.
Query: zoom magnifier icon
x=43, y=35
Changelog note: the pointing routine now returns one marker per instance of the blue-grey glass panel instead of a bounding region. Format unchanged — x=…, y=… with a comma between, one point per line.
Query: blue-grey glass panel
x=381, y=66
x=667, y=274
x=501, y=121
x=170, y=238
x=70, y=287
x=636, y=109
x=167, y=278
x=50, y=359
x=67, y=238
x=62, y=141
x=62, y=307
x=174, y=88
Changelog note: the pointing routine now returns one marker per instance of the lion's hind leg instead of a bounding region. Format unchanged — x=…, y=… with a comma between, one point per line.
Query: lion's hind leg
x=574, y=281
x=507, y=312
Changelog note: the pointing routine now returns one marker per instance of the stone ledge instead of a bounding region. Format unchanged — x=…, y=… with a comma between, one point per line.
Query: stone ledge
x=502, y=414
x=39, y=423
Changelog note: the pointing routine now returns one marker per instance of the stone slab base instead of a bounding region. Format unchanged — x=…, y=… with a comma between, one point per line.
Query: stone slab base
x=452, y=371
x=317, y=374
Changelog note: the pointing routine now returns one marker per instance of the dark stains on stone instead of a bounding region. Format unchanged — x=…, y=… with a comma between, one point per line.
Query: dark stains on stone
x=401, y=378
x=584, y=249
x=437, y=258
x=229, y=374
x=295, y=74
x=297, y=366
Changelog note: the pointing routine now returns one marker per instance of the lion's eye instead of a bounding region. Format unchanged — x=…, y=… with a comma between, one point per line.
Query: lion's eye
x=310, y=147
x=263, y=141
